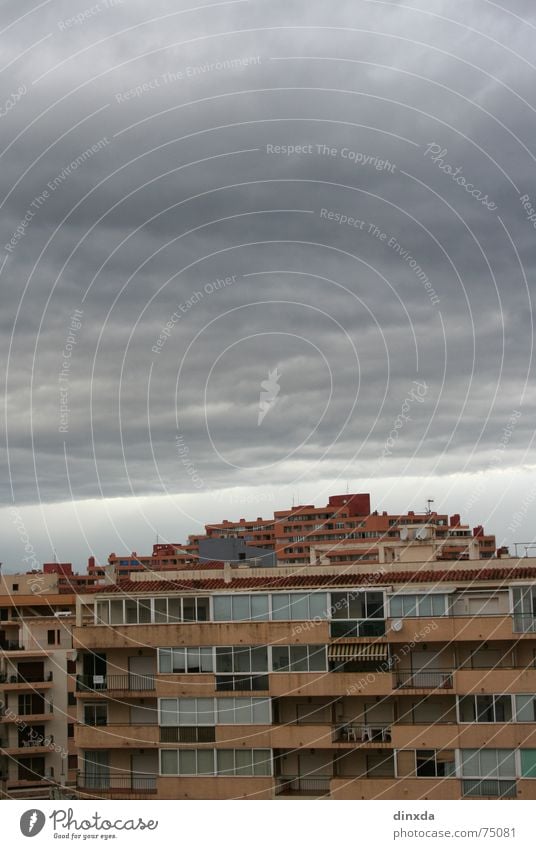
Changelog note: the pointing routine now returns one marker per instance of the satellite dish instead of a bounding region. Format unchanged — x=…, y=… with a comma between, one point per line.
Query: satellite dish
x=396, y=625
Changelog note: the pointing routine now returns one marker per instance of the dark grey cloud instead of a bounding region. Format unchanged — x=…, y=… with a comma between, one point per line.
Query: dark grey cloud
x=137, y=167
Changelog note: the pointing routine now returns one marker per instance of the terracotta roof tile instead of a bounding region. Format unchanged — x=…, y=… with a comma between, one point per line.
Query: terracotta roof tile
x=496, y=573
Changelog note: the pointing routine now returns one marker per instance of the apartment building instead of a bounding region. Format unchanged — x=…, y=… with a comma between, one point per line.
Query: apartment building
x=333, y=534
x=37, y=702
x=397, y=680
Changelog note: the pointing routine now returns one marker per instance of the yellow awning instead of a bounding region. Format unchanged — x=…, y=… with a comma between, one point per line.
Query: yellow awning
x=354, y=651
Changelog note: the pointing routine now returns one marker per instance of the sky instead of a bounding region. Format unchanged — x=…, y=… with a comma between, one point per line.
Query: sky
x=255, y=254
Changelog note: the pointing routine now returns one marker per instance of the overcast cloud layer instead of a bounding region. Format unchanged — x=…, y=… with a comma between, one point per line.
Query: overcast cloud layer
x=186, y=306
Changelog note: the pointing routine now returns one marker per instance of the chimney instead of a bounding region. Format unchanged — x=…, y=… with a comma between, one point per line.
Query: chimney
x=227, y=572
x=109, y=574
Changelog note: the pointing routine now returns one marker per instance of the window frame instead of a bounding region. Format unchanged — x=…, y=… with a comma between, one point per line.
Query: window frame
x=216, y=770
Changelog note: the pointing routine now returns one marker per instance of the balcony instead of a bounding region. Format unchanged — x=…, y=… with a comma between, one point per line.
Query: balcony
x=437, y=679
x=107, y=684
x=30, y=747
x=317, y=787
x=29, y=682
x=11, y=645
x=489, y=788
x=120, y=736
x=19, y=718
x=375, y=733
x=136, y=785
x=382, y=788
x=333, y=684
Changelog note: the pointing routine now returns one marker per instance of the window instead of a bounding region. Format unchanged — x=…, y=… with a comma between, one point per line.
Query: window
x=96, y=714
x=31, y=703
x=524, y=599
x=487, y=658
x=187, y=712
x=488, y=763
x=209, y=711
x=71, y=699
x=187, y=762
x=241, y=608
x=430, y=763
x=357, y=628
x=51, y=638
x=71, y=667
x=484, y=708
x=431, y=604
x=72, y=762
x=244, y=762
x=357, y=604
x=227, y=762
x=15, y=588
x=528, y=763
x=244, y=711
x=234, y=683
x=143, y=611
x=347, y=605
x=70, y=729
x=241, y=659
x=299, y=659
x=525, y=708
x=198, y=659
x=299, y=606
x=187, y=733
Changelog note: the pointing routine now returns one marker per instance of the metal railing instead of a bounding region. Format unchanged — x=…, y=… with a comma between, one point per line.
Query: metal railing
x=35, y=742
x=489, y=787
x=99, y=683
x=372, y=733
x=438, y=679
x=43, y=678
x=135, y=782
x=296, y=785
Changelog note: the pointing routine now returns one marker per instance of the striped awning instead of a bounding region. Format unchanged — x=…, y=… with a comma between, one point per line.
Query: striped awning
x=354, y=651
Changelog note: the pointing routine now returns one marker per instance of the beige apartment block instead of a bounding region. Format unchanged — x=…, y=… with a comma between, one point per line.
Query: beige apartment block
x=408, y=680
x=37, y=705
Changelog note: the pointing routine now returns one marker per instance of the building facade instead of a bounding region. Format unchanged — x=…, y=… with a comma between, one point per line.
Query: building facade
x=405, y=679
x=37, y=686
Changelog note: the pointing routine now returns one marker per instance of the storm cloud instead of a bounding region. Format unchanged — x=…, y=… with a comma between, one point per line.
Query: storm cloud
x=331, y=204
